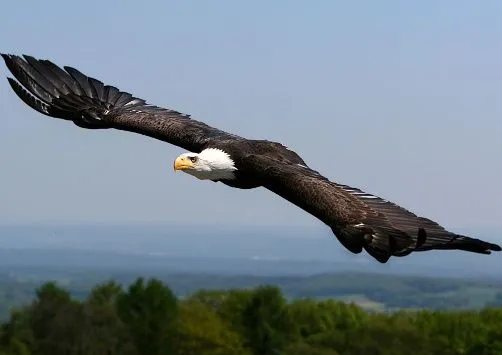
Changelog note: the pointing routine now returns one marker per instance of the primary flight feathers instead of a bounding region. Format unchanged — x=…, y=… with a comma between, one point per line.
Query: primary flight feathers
x=358, y=219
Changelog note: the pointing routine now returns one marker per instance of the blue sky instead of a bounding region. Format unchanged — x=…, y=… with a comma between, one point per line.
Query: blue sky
x=401, y=99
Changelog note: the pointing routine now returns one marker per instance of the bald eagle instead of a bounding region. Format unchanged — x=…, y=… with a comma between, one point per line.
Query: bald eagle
x=358, y=219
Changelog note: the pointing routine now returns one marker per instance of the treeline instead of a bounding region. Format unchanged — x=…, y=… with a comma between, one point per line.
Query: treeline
x=147, y=318
x=373, y=291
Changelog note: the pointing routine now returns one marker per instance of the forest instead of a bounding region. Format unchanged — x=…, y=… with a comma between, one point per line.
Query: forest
x=146, y=317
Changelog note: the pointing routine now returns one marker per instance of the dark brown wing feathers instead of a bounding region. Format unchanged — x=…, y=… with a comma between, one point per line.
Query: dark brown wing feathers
x=68, y=94
x=358, y=219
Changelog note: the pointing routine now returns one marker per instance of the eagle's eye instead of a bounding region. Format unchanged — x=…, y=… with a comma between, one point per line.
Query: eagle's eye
x=193, y=159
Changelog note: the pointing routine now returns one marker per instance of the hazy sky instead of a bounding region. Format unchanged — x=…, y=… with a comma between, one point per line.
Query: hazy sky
x=402, y=99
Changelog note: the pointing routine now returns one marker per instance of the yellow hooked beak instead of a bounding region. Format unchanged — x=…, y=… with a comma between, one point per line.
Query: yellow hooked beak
x=182, y=163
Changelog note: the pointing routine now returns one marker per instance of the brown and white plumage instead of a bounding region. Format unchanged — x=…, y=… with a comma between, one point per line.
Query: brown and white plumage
x=358, y=219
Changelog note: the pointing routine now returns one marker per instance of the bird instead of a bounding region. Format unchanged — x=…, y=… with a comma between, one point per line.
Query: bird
x=359, y=220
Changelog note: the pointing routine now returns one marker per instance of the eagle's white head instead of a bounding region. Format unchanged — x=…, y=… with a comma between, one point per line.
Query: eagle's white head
x=210, y=164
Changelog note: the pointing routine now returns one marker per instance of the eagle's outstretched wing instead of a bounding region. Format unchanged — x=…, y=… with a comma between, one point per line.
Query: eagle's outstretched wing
x=358, y=219
x=68, y=94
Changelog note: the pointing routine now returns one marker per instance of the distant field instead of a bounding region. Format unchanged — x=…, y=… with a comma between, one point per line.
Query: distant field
x=375, y=292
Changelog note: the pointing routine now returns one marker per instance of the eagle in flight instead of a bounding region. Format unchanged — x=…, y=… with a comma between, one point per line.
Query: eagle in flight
x=358, y=219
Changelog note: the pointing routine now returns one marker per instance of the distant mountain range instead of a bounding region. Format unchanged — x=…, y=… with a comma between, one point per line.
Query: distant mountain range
x=265, y=252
